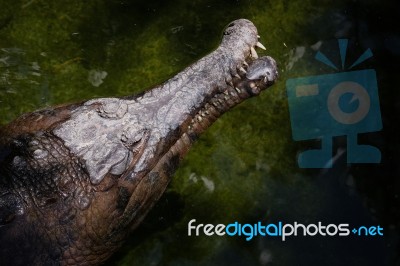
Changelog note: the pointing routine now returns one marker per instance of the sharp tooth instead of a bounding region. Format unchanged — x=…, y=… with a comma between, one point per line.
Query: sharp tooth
x=242, y=69
x=237, y=89
x=253, y=53
x=260, y=45
x=258, y=36
x=236, y=75
x=245, y=63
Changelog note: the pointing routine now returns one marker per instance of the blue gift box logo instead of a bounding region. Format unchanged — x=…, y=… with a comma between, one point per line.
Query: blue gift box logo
x=340, y=104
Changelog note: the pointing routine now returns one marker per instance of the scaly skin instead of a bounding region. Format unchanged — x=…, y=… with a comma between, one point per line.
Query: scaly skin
x=75, y=179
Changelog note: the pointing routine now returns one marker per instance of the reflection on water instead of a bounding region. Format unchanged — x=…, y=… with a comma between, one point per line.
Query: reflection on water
x=244, y=168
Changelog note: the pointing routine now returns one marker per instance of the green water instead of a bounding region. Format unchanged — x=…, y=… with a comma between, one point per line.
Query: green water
x=244, y=167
